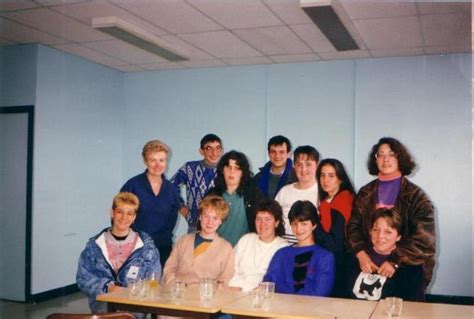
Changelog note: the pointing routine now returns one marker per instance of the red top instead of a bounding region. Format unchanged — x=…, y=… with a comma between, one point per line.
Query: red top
x=342, y=203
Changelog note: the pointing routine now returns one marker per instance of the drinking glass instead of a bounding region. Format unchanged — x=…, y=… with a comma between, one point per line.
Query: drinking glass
x=177, y=289
x=393, y=306
x=143, y=288
x=133, y=287
x=268, y=288
x=206, y=288
x=153, y=279
x=257, y=297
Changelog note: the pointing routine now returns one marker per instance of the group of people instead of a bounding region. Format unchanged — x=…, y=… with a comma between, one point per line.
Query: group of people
x=298, y=223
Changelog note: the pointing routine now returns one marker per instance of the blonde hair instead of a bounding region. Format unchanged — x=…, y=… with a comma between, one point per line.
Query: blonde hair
x=154, y=146
x=215, y=202
x=126, y=198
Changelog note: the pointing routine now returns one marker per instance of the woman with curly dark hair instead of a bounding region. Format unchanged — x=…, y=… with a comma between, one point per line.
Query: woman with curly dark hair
x=391, y=162
x=254, y=251
x=235, y=184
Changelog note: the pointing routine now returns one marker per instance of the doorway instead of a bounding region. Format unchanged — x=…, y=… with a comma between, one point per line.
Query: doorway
x=16, y=176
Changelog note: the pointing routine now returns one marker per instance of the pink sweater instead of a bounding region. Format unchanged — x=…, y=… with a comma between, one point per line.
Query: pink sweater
x=216, y=262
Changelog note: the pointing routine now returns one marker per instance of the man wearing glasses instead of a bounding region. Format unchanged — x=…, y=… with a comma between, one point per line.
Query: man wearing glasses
x=198, y=177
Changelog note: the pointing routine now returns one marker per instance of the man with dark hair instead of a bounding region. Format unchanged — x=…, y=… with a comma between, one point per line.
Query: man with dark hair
x=198, y=177
x=277, y=172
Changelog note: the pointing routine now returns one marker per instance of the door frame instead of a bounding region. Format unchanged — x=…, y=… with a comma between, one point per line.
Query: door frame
x=30, y=111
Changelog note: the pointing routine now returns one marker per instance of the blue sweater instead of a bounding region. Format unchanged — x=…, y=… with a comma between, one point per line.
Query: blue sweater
x=157, y=215
x=318, y=279
x=94, y=272
x=198, y=179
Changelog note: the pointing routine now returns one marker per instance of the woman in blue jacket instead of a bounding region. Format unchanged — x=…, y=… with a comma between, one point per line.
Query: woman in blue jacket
x=117, y=254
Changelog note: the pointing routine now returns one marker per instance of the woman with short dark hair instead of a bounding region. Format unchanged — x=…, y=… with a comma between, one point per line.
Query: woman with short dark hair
x=254, y=251
x=407, y=282
x=304, y=268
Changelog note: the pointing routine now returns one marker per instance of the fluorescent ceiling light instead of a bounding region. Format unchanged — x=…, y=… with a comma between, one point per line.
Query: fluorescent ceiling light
x=138, y=37
x=330, y=19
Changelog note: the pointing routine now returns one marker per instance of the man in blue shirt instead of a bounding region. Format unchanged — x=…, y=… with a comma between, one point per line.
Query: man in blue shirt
x=198, y=177
x=159, y=199
x=277, y=172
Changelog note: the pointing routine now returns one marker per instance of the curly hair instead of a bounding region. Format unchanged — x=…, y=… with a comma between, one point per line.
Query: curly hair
x=217, y=203
x=154, y=146
x=272, y=207
x=405, y=163
x=241, y=160
x=346, y=183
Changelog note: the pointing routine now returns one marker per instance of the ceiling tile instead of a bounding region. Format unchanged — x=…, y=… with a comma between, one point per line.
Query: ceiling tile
x=16, y=5
x=378, y=9
x=161, y=66
x=172, y=16
x=17, y=32
x=465, y=48
x=124, y=51
x=203, y=64
x=57, y=2
x=86, y=11
x=186, y=48
x=246, y=61
x=316, y=40
x=5, y=42
x=397, y=52
x=237, y=14
x=449, y=29
x=89, y=54
x=221, y=44
x=289, y=11
x=443, y=7
x=128, y=68
x=273, y=40
x=294, y=58
x=57, y=24
x=345, y=55
x=401, y=32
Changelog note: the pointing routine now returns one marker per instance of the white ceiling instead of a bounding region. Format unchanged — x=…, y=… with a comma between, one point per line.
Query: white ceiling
x=236, y=32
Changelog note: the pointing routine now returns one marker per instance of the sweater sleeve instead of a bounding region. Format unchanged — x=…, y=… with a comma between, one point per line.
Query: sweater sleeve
x=228, y=265
x=178, y=179
x=321, y=282
x=355, y=226
x=171, y=265
x=239, y=253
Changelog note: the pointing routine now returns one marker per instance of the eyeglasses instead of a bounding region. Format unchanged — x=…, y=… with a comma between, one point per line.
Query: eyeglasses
x=389, y=155
x=210, y=148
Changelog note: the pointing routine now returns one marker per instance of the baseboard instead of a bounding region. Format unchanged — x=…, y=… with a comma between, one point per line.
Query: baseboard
x=50, y=294
x=455, y=300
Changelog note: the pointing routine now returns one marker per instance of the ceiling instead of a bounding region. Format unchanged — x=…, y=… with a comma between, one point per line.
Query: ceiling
x=215, y=33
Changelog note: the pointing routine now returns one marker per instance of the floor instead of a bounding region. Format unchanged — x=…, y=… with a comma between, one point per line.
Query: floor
x=73, y=303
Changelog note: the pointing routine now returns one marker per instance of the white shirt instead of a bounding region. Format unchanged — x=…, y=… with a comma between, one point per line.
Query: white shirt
x=252, y=257
x=287, y=196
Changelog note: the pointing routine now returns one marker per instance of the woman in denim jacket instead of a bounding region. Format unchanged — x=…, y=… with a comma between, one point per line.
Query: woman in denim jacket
x=116, y=255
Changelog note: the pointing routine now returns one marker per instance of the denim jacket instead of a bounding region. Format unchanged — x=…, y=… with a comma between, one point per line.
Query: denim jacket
x=94, y=271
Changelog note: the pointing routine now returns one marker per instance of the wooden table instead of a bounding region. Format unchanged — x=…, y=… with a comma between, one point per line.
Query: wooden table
x=423, y=310
x=162, y=303
x=295, y=307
